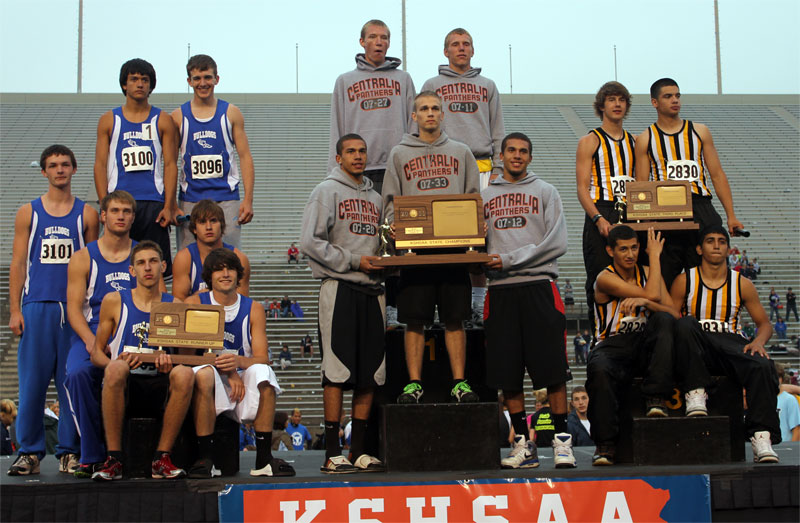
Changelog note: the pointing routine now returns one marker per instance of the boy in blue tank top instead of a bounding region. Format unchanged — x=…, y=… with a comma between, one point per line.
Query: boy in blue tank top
x=136, y=152
x=208, y=224
x=98, y=269
x=241, y=383
x=210, y=129
x=47, y=232
x=152, y=390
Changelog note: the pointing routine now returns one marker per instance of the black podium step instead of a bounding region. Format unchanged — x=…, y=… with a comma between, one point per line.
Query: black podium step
x=681, y=441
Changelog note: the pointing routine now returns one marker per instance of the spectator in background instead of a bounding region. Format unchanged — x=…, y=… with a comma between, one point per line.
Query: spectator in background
x=306, y=345
x=744, y=260
x=286, y=304
x=285, y=357
x=756, y=266
x=274, y=308
x=788, y=410
x=580, y=354
x=541, y=424
x=296, y=310
x=299, y=433
x=280, y=439
x=51, y=411
x=748, y=330
x=791, y=304
x=247, y=436
x=577, y=421
x=780, y=328
x=774, y=304
x=8, y=413
x=293, y=254
x=569, y=297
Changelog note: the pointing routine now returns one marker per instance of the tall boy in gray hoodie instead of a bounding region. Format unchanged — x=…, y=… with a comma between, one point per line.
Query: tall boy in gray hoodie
x=525, y=324
x=340, y=237
x=431, y=163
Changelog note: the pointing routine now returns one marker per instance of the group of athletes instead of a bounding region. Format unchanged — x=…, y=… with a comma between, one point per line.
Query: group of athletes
x=78, y=300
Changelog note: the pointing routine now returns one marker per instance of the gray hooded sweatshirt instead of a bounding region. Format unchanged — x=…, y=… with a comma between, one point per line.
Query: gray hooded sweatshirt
x=473, y=114
x=374, y=102
x=526, y=227
x=416, y=167
x=340, y=224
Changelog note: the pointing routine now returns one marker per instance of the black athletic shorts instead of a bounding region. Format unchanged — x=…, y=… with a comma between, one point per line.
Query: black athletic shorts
x=147, y=395
x=421, y=289
x=525, y=328
x=145, y=227
x=351, y=334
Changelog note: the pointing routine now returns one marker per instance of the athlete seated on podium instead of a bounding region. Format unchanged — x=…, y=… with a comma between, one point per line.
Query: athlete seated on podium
x=710, y=297
x=151, y=389
x=634, y=329
x=240, y=384
x=207, y=223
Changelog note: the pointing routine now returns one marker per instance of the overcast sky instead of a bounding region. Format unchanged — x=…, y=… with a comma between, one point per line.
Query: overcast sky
x=561, y=46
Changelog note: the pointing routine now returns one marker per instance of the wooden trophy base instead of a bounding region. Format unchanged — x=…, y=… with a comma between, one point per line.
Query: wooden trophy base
x=688, y=225
x=412, y=260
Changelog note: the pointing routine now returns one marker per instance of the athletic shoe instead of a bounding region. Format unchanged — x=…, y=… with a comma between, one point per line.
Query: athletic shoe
x=337, y=465
x=276, y=467
x=111, y=469
x=603, y=455
x=367, y=463
x=523, y=455
x=412, y=393
x=68, y=463
x=696, y=402
x=562, y=451
x=203, y=468
x=24, y=465
x=163, y=468
x=655, y=407
x=462, y=393
x=85, y=471
x=761, y=444
x=391, y=316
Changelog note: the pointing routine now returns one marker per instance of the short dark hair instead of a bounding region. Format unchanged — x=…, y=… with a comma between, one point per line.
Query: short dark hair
x=426, y=93
x=137, y=65
x=609, y=89
x=219, y=259
x=281, y=418
x=579, y=388
x=146, y=245
x=349, y=136
x=516, y=136
x=655, y=89
x=201, y=62
x=120, y=196
x=205, y=209
x=456, y=31
x=713, y=228
x=620, y=232
x=379, y=23
x=54, y=150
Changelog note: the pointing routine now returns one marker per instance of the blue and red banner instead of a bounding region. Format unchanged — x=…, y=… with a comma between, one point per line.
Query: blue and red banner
x=655, y=498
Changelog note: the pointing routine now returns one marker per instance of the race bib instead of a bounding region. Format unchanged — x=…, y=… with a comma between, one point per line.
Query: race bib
x=714, y=326
x=55, y=250
x=137, y=158
x=632, y=324
x=206, y=166
x=683, y=170
x=618, y=185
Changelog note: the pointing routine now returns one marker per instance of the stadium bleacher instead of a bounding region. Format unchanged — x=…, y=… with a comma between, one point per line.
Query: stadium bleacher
x=758, y=138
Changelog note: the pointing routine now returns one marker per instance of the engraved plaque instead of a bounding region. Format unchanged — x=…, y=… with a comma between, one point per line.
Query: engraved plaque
x=187, y=326
x=663, y=205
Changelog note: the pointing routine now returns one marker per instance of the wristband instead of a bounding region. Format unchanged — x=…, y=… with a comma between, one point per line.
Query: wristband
x=596, y=217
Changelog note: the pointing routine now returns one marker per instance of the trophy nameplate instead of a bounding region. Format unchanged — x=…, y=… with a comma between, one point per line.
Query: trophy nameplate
x=662, y=205
x=188, y=326
x=436, y=222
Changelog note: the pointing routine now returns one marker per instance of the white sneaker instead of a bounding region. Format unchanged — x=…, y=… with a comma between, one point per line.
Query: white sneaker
x=562, y=451
x=367, y=463
x=523, y=455
x=696, y=402
x=391, y=316
x=761, y=444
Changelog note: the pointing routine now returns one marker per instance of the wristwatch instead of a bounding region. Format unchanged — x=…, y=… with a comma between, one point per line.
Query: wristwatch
x=596, y=217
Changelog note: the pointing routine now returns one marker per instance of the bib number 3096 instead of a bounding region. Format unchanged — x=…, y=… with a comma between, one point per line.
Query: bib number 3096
x=207, y=166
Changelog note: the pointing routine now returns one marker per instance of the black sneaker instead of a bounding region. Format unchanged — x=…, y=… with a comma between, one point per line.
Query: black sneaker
x=463, y=393
x=603, y=455
x=203, y=468
x=24, y=465
x=655, y=407
x=412, y=393
x=85, y=471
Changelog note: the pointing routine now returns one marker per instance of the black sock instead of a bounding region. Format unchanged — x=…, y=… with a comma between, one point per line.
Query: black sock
x=117, y=455
x=357, y=436
x=205, y=446
x=519, y=423
x=332, y=447
x=263, y=449
x=456, y=382
x=560, y=422
x=158, y=454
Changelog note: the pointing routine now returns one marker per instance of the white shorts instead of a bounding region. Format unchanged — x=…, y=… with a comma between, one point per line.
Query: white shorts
x=252, y=377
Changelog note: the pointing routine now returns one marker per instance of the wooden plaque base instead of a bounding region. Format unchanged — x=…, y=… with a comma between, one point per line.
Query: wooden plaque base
x=410, y=260
x=661, y=226
x=181, y=359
